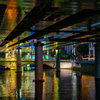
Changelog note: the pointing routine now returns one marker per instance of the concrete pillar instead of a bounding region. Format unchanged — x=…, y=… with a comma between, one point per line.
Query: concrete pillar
x=97, y=88
x=97, y=61
x=19, y=61
x=38, y=90
x=38, y=62
x=57, y=60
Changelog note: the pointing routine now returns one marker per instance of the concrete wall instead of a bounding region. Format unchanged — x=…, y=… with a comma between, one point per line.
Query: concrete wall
x=88, y=68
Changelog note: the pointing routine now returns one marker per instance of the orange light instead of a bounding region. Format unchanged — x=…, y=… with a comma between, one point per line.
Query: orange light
x=47, y=52
x=35, y=40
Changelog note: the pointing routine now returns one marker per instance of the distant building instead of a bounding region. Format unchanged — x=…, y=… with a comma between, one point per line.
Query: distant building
x=91, y=51
x=68, y=49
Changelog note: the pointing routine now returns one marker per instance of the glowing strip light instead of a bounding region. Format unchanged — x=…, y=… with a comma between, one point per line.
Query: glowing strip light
x=78, y=29
x=65, y=33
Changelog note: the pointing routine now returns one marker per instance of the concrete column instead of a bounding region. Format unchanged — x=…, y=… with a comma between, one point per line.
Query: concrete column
x=19, y=61
x=97, y=61
x=97, y=88
x=38, y=62
x=38, y=90
x=57, y=60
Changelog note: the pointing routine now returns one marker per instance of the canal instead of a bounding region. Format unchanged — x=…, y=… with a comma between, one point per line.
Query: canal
x=64, y=85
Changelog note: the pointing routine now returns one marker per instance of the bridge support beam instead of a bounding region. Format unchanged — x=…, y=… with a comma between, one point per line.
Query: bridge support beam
x=38, y=62
x=19, y=61
x=57, y=60
x=97, y=61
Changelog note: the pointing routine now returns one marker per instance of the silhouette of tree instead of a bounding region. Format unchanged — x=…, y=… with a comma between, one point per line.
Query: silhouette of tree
x=83, y=49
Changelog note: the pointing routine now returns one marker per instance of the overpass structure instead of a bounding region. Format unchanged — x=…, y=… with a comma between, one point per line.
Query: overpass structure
x=50, y=24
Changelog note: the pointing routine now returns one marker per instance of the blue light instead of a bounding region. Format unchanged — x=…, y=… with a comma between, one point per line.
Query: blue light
x=32, y=56
x=32, y=68
x=32, y=28
x=31, y=33
x=53, y=57
x=95, y=24
x=78, y=29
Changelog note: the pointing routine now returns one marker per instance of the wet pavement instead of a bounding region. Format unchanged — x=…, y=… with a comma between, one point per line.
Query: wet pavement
x=64, y=85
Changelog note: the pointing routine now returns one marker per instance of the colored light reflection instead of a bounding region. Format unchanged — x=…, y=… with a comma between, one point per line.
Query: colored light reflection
x=12, y=13
x=57, y=89
x=88, y=85
x=56, y=83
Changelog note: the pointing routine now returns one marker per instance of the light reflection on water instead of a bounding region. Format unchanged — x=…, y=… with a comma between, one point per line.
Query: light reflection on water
x=64, y=85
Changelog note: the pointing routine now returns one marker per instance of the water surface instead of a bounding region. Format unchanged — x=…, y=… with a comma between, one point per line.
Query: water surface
x=64, y=85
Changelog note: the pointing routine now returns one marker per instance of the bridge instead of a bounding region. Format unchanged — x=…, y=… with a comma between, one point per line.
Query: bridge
x=12, y=63
x=45, y=25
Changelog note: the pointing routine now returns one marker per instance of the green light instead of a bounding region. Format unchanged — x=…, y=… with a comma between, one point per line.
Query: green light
x=20, y=2
x=25, y=49
x=56, y=44
x=21, y=44
x=25, y=56
x=98, y=2
x=47, y=56
x=25, y=68
x=57, y=89
x=56, y=51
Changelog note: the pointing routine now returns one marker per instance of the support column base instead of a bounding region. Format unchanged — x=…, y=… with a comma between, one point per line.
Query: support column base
x=18, y=71
x=38, y=80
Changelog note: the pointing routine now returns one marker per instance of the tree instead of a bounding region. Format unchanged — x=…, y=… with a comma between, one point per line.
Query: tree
x=63, y=54
x=83, y=49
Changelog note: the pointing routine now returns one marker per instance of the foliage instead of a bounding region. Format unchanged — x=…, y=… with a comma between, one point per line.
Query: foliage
x=63, y=54
x=71, y=55
x=83, y=49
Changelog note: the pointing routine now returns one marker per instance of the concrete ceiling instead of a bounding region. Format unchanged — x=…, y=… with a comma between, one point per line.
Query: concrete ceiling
x=50, y=19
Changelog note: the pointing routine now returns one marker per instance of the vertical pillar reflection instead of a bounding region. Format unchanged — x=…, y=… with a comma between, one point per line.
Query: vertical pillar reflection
x=38, y=90
x=97, y=61
x=38, y=62
x=58, y=85
x=57, y=60
x=97, y=87
x=18, y=85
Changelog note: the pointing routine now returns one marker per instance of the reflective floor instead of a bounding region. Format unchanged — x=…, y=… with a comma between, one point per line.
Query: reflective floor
x=64, y=85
